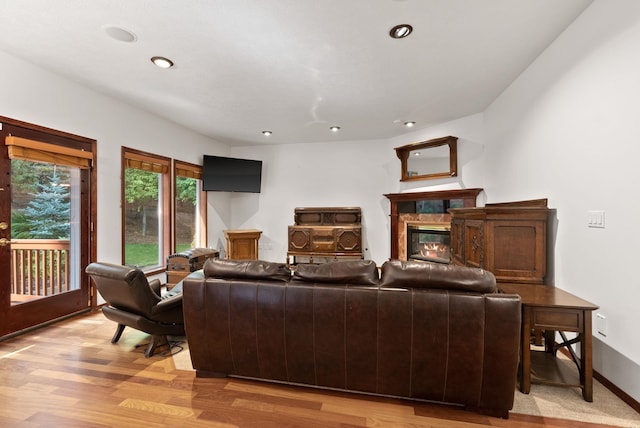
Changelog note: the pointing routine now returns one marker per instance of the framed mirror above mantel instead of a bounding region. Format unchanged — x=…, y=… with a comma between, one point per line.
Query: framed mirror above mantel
x=428, y=160
x=416, y=209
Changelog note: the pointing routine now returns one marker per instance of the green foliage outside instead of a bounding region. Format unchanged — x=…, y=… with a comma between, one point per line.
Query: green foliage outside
x=41, y=206
x=186, y=190
x=141, y=255
x=141, y=196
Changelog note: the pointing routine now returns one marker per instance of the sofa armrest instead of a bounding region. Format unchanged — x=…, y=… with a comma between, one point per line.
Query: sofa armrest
x=168, y=304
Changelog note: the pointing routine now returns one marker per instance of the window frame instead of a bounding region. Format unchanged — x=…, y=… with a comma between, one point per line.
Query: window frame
x=161, y=165
x=186, y=169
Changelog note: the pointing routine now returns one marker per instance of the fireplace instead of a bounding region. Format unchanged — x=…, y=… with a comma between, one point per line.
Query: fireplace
x=428, y=243
x=424, y=208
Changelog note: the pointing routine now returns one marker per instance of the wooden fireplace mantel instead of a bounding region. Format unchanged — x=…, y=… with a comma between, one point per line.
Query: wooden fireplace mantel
x=468, y=196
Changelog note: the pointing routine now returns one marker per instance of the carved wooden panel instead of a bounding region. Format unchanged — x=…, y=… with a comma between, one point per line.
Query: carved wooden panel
x=474, y=243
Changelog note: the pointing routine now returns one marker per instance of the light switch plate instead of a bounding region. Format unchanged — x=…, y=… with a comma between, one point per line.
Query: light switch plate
x=595, y=219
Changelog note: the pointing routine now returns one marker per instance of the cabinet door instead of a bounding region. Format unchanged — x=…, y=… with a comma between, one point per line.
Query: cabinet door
x=474, y=243
x=243, y=249
x=299, y=238
x=348, y=240
x=517, y=250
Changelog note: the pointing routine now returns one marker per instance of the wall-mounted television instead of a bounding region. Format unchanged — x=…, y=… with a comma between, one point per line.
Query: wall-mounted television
x=222, y=174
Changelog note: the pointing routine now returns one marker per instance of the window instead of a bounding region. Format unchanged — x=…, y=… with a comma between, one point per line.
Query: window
x=189, y=207
x=146, y=209
x=45, y=217
x=151, y=229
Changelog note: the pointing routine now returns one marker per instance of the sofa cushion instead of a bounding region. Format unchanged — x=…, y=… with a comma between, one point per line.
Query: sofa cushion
x=352, y=272
x=246, y=269
x=417, y=274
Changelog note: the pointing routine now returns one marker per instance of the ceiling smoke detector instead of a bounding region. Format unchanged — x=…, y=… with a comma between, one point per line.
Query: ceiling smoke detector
x=120, y=34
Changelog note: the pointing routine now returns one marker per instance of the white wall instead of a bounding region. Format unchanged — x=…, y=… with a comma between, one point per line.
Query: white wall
x=32, y=95
x=569, y=130
x=345, y=174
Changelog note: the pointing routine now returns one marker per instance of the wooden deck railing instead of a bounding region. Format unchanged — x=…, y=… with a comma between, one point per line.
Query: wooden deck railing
x=40, y=267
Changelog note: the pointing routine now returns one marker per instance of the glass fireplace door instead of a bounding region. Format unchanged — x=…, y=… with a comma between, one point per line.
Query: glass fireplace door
x=428, y=243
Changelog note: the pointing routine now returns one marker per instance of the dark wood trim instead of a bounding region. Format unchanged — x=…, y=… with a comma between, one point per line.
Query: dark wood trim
x=436, y=194
x=531, y=203
x=202, y=207
x=404, y=153
x=615, y=390
x=93, y=226
x=635, y=405
x=88, y=244
x=167, y=217
x=39, y=128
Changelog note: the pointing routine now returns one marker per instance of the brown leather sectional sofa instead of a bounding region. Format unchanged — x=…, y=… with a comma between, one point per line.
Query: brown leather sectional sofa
x=411, y=329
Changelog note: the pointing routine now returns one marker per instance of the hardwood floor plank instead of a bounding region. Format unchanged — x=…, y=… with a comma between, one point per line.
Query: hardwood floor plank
x=318, y=415
x=70, y=375
x=31, y=400
x=42, y=418
x=158, y=408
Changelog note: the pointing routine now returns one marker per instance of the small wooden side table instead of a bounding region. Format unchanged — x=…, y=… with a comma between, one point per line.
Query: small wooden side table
x=554, y=310
x=242, y=244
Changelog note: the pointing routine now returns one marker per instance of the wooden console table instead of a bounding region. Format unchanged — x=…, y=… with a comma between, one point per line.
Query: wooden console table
x=242, y=244
x=554, y=310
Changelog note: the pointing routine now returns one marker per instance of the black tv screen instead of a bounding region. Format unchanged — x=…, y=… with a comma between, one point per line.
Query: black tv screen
x=222, y=174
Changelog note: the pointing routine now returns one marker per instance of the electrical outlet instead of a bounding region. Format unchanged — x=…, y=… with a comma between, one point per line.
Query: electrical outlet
x=601, y=324
x=595, y=219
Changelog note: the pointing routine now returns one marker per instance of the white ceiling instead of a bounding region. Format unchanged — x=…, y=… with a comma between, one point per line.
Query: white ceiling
x=295, y=67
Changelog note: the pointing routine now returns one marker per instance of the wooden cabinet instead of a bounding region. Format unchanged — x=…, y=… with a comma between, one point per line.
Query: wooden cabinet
x=507, y=239
x=242, y=244
x=325, y=233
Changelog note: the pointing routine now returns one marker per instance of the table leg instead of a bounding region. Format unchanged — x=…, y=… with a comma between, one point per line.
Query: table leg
x=586, y=366
x=525, y=351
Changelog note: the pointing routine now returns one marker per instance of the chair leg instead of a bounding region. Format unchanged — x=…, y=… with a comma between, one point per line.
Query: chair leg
x=118, y=333
x=157, y=341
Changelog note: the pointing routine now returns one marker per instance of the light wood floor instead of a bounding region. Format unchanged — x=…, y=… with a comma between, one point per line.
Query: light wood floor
x=70, y=375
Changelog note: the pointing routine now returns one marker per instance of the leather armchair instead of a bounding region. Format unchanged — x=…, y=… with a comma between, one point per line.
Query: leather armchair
x=133, y=301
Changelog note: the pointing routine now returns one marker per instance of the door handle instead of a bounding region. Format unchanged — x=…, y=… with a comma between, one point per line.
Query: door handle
x=3, y=225
x=4, y=242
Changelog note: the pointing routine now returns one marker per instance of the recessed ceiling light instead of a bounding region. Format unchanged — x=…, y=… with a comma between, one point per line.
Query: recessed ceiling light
x=162, y=62
x=409, y=124
x=400, y=31
x=266, y=133
x=119, y=33
x=334, y=128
